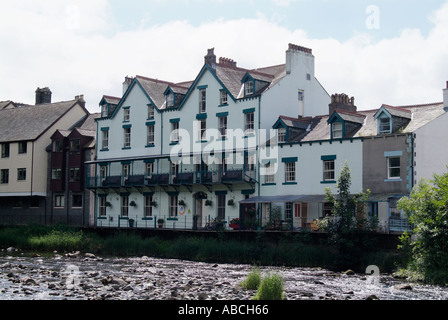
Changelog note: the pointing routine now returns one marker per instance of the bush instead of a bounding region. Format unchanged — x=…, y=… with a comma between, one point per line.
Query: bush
x=252, y=281
x=271, y=288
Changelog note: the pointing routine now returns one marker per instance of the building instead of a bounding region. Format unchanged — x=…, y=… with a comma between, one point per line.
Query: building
x=69, y=150
x=25, y=133
x=187, y=152
x=388, y=150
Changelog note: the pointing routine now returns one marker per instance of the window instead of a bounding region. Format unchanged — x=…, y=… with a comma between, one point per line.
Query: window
x=223, y=96
x=173, y=206
x=103, y=172
x=126, y=170
x=56, y=174
x=269, y=173
x=329, y=170
x=281, y=135
x=22, y=147
x=105, y=139
x=73, y=174
x=393, y=167
x=202, y=101
x=222, y=126
x=384, y=125
x=57, y=146
x=149, y=168
x=124, y=206
x=77, y=201
x=174, y=132
x=151, y=112
x=21, y=174
x=4, y=177
x=221, y=206
x=288, y=210
x=59, y=201
x=336, y=130
x=104, y=110
x=250, y=162
x=248, y=88
x=170, y=100
x=202, y=129
x=148, y=206
x=290, y=172
x=126, y=114
x=300, y=95
x=127, y=137
x=249, y=123
x=5, y=150
x=75, y=146
x=103, y=206
x=150, y=135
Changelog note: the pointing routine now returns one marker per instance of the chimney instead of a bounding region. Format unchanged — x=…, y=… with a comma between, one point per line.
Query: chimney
x=227, y=62
x=43, y=95
x=445, y=97
x=296, y=56
x=210, y=58
x=341, y=102
x=127, y=82
x=81, y=100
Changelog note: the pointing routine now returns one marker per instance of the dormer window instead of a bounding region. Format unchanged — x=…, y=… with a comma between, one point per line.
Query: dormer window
x=384, y=124
x=337, y=130
x=170, y=100
x=150, y=112
x=281, y=135
x=249, y=88
x=104, y=111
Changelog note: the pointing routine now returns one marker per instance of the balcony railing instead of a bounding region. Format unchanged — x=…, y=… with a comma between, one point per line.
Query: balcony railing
x=184, y=178
x=399, y=224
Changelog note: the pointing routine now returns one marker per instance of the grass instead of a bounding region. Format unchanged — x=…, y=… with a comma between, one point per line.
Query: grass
x=296, y=251
x=271, y=288
x=252, y=281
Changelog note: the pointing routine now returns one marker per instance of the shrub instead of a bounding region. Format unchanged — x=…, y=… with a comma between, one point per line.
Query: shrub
x=252, y=281
x=271, y=288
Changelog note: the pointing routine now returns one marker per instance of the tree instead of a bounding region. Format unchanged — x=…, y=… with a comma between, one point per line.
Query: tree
x=346, y=221
x=427, y=243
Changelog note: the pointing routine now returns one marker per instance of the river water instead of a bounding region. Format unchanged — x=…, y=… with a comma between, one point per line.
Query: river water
x=55, y=276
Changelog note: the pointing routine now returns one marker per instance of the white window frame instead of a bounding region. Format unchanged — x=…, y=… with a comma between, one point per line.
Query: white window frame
x=269, y=176
x=127, y=137
x=151, y=111
x=337, y=130
x=148, y=207
x=174, y=137
x=248, y=88
x=249, y=119
x=223, y=97
x=149, y=169
x=222, y=127
x=150, y=138
x=125, y=206
x=173, y=206
x=290, y=172
x=329, y=173
x=384, y=124
x=103, y=207
x=391, y=168
x=59, y=201
x=281, y=135
x=105, y=139
x=56, y=174
x=202, y=101
x=126, y=114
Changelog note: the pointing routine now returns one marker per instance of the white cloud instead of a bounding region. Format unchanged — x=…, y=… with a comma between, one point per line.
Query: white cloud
x=75, y=48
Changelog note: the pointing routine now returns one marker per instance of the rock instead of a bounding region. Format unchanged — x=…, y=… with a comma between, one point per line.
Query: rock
x=90, y=255
x=372, y=297
x=11, y=249
x=202, y=296
x=349, y=272
x=73, y=254
x=30, y=281
x=35, y=255
x=403, y=286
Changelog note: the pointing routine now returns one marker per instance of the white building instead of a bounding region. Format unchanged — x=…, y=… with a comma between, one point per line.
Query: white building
x=178, y=150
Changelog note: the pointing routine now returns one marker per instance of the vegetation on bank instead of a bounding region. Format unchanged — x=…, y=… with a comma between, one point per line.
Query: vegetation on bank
x=295, y=250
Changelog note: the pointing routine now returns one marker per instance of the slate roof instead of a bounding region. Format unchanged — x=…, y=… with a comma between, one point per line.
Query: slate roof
x=29, y=122
x=419, y=116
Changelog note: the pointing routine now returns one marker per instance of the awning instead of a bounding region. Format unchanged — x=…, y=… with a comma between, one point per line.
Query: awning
x=287, y=198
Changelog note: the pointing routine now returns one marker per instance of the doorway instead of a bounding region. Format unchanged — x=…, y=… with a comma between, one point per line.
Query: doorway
x=200, y=209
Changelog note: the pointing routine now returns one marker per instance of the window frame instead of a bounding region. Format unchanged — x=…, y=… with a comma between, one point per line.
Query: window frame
x=4, y=176
x=390, y=168
x=127, y=137
x=150, y=135
x=202, y=100
x=104, y=139
x=337, y=130
x=290, y=172
x=124, y=206
x=329, y=173
x=173, y=209
x=249, y=123
x=21, y=174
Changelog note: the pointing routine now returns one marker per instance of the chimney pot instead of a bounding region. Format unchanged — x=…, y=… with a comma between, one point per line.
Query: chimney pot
x=210, y=58
x=43, y=95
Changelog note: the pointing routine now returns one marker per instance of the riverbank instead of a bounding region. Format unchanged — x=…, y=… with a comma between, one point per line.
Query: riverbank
x=283, y=249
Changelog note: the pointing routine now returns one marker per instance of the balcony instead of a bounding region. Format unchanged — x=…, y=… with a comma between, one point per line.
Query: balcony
x=206, y=178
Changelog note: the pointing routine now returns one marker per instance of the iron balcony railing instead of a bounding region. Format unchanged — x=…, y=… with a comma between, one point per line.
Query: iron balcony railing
x=183, y=178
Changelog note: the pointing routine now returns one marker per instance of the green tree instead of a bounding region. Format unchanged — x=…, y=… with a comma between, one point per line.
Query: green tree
x=427, y=243
x=347, y=221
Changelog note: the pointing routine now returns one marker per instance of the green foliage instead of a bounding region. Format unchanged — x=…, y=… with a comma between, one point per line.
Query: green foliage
x=271, y=288
x=427, y=244
x=252, y=281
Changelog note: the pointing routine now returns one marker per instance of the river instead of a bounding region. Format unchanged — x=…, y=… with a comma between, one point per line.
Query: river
x=76, y=276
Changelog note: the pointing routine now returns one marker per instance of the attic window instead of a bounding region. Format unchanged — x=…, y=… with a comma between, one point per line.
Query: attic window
x=384, y=124
x=249, y=88
x=336, y=130
x=170, y=100
x=281, y=135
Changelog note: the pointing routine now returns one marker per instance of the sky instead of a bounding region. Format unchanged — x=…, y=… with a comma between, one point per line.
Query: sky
x=381, y=52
